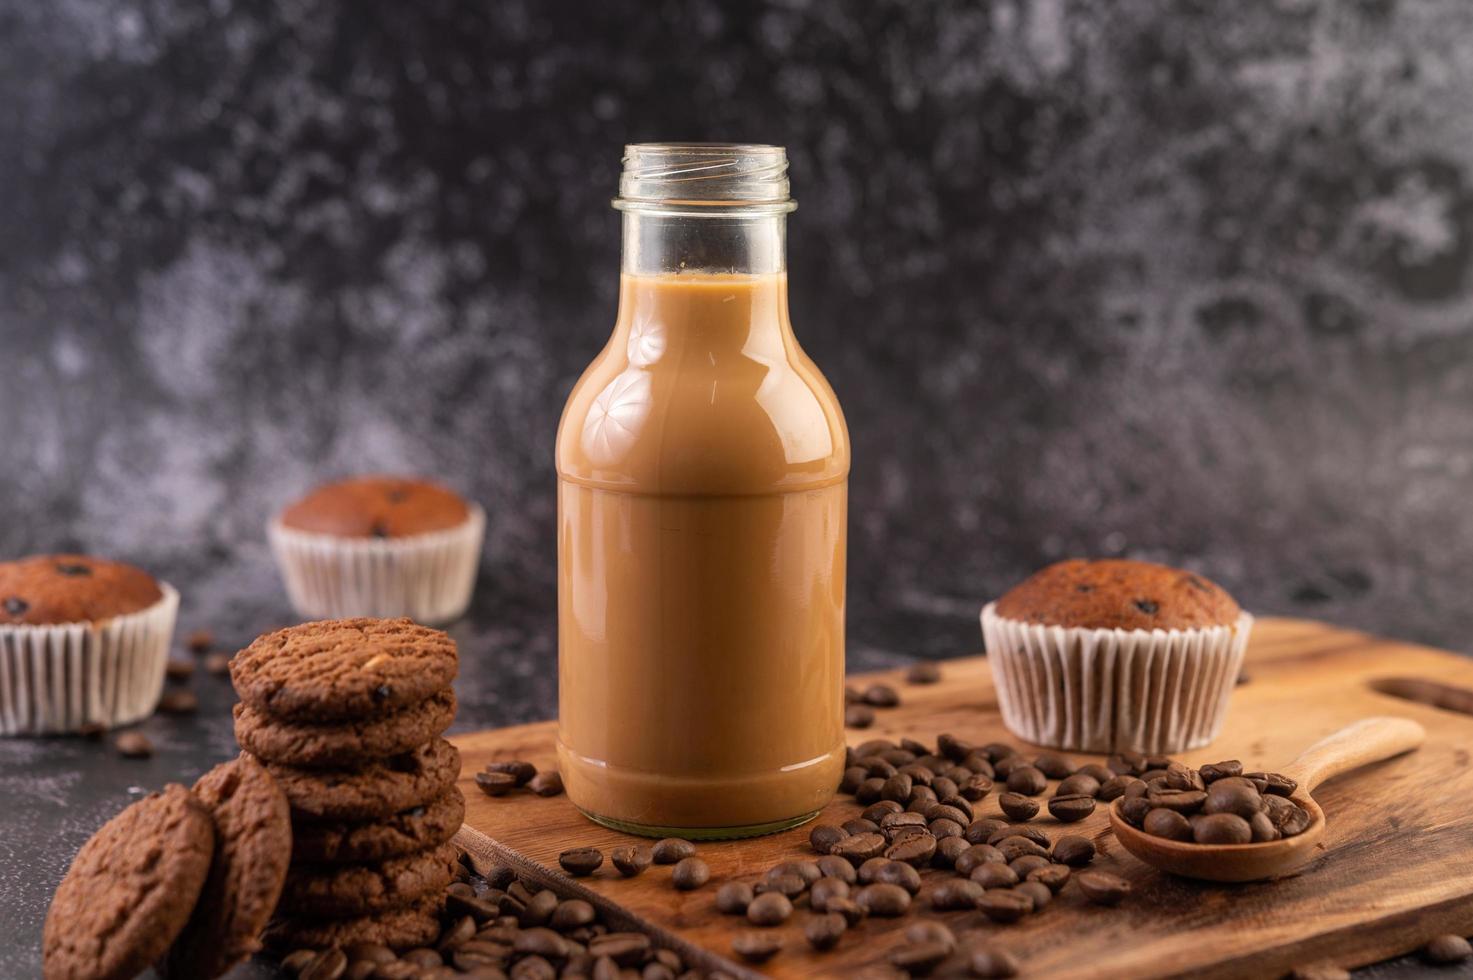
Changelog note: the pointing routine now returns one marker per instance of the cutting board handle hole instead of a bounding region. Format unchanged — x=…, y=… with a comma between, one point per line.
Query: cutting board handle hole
x=1429, y=692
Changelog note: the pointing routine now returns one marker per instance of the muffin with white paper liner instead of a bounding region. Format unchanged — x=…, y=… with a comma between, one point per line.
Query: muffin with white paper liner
x=83, y=643
x=1115, y=655
x=379, y=546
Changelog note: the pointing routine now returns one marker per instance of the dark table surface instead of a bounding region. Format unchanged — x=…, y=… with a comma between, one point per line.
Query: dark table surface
x=58, y=791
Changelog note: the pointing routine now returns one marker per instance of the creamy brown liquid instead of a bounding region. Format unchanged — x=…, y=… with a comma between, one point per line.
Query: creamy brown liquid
x=703, y=465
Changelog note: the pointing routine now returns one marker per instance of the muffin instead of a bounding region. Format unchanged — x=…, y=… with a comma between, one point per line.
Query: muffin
x=83, y=642
x=379, y=546
x=1114, y=655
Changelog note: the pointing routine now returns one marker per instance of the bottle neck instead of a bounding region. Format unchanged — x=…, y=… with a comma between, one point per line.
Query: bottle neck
x=737, y=242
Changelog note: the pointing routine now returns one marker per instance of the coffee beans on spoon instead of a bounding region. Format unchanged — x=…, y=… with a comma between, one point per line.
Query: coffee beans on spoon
x=1215, y=805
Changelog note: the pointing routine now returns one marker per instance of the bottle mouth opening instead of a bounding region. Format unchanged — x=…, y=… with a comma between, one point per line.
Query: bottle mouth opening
x=704, y=178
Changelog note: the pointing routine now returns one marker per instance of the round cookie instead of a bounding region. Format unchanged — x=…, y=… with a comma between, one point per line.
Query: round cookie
x=357, y=889
x=414, y=925
x=346, y=743
x=412, y=830
x=45, y=590
x=130, y=889
x=1118, y=594
x=377, y=507
x=253, y=847
x=343, y=668
x=379, y=789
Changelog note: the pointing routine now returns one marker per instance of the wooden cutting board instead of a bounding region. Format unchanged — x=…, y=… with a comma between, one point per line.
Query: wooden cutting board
x=1397, y=868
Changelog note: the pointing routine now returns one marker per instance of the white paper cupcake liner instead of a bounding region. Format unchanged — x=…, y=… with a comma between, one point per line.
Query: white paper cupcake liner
x=1103, y=690
x=58, y=678
x=427, y=577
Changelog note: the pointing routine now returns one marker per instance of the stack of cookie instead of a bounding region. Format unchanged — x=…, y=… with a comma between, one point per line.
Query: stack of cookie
x=347, y=716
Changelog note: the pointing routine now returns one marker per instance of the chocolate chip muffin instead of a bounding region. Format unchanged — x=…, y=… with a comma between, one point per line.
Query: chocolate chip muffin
x=46, y=589
x=83, y=641
x=379, y=546
x=377, y=507
x=1118, y=594
x=1113, y=655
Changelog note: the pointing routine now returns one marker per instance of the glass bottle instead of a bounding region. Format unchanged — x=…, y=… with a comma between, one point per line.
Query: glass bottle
x=703, y=466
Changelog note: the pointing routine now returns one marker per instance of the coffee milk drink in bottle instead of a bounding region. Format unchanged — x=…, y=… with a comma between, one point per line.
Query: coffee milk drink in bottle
x=703, y=467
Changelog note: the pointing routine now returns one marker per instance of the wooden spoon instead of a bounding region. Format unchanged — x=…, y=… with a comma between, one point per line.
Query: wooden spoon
x=1367, y=741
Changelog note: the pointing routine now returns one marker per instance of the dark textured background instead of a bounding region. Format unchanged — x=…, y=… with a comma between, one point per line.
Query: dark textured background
x=1182, y=281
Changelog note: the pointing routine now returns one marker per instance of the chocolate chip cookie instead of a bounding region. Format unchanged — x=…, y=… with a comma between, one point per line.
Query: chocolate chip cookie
x=341, y=891
x=130, y=889
x=406, y=832
x=343, y=669
x=344, y=743
x=379, y=789
x=417, y=924
x=253, y=846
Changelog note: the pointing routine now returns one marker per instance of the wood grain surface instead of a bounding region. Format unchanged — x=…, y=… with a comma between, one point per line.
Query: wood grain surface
x=1397, y=865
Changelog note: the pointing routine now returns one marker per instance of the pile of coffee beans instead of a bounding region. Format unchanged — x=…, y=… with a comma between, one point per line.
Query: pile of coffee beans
x=503, y=926
x=1217, y=804
x=501, y=778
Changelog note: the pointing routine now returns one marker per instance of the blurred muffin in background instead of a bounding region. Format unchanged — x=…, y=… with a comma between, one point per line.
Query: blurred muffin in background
x=83, y=642
x=379, y=546
x=1115, y=655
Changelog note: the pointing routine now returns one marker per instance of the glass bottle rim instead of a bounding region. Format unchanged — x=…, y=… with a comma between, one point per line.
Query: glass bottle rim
x=704, y=179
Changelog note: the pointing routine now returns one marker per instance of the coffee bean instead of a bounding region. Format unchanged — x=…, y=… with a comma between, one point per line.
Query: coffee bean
x=825, y=889
x=869, y=870
x=859, y=716
x=1133, y=809
x=1013, y=847
x=860, y=848
x=880, y=809
x=538, y=909
x=942, y=828
x=1027, y=780
x=853, y=776
x=991, y=963
x=1127, y=763
x=1072, y=807
x=1004, y=905
x=951, y=747
x=581, y=861
x=572, y=913
x=1007, y=765
x=371, y=952
x=458, y=931
x=1035, y=890
x=980, y=831
x=1235, y=798
x=1017, y=806
x=1027, y=864
x=330, y=964
x=496, y=783
x=834, y=866
x=870, y=789
x=883, y=899
x=217, y=664
x=691, y=873
x=480, y=909
x=539, y=941
x=1222, y=828
x=179, y=670
x=1183, y=801
x=975, y=787
x=1179, y=776
x=631, y=860
x=1135, y=788
x=902, y=819
x=672, y=850
x=824, y=836
x=977, y=854
x=896, y=788
x=1114, y=788
x=881, y=696
x=133, y=745
x=733, y=897
x=769, y=909
x=920, y=957
x=1052, y=876
x=785, y=884
x=915, y=850
x=523, y=771
x=756, y=947
x=994, y=874
x=824, y=931
x=955, y=895
x=944, y=786
x=948, y=849
x=1081, y=783
x=1053, y=765
x=1102, y=888
x=1169, y=824
x=546, y=784
x=899, y=873
x=874, y=746
x=1074, y=851
x=423, y=958
x=851, y=910
x=179, y=701
x=1263, y=828
x=919, y=749
x=624, y=948
x=1447, y=949
x=919, y=775
x=1220, y=770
